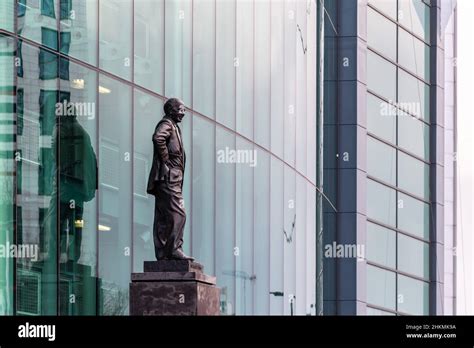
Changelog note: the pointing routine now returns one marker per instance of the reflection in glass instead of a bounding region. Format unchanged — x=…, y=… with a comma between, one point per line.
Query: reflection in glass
x=7, y=11
x=149, y=33
x=34, y=17
x=91, y=236
x=115, y=191
x=178, y=49
x=115, y=37
x=415, y=15
x=79, y=32
x=204, y=57
x=7, y=168
x=36, y=184
x=414, y=54
x=75, y=134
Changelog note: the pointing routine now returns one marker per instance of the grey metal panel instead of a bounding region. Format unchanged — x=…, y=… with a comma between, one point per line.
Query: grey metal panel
x=347, y=12
x=352, y=270
x=348, y=146
x=351, y=307
x=352, y=134
x=347, y=179
x=352, y=58
x=330, y=307
x=331, y=61
x=353, y=18
x=352, y=193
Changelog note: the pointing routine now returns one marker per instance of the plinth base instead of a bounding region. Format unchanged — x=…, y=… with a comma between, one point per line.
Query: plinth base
x=173, y=287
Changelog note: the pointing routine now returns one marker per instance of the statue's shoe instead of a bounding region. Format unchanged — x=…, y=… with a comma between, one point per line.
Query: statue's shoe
x=161, y=256
x=179, y=255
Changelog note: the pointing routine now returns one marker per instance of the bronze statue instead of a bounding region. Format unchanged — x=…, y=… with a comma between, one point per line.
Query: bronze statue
x=165, y=182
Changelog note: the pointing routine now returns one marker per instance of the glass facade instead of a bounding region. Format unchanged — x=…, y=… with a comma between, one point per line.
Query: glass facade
x=398, y=180
x=270, y=122
x=82, y=86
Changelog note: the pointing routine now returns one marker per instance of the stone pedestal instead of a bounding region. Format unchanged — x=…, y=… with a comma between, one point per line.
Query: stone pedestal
x=173, y=287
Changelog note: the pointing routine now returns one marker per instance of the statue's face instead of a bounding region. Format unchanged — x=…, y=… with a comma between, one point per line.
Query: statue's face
x=175, y=109
x=181, y=113
x=178, y=112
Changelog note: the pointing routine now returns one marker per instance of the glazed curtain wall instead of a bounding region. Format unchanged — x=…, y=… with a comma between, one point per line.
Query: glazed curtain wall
x=246, y=71
x=398, y=157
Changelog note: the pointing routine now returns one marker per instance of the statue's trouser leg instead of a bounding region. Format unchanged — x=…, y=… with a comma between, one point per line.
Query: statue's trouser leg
x=170, y=218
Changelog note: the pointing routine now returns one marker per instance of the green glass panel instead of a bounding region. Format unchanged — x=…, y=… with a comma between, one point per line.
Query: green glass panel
x=380, y=287
x=412, y=256
x=381, y=203
x=381, y=245
x=413, y=175
x=413, y=296
x=381, y=34
x=381, y=161
x=413, y=216
x=381, y=76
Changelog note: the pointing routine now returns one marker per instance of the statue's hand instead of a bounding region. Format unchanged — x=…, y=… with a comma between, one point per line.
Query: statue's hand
x=164, y=172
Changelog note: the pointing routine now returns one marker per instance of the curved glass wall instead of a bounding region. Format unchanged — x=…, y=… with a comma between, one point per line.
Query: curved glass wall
x=82, y=86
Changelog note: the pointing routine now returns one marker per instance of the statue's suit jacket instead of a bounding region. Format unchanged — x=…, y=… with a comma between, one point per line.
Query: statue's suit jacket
x=167, y=147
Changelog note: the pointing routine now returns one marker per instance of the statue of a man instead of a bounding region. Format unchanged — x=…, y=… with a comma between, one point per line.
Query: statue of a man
x=165, y=182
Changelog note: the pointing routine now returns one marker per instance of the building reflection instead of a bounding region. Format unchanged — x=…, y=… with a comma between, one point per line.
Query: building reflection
x=123, y=59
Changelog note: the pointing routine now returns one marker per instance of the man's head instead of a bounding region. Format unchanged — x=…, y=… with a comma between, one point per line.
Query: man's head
x=175, y=109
